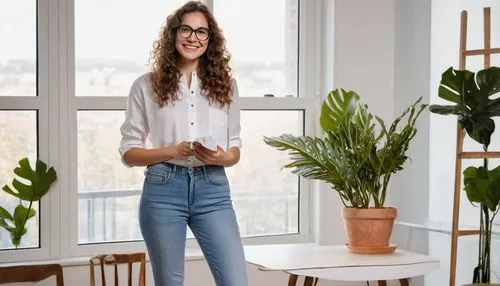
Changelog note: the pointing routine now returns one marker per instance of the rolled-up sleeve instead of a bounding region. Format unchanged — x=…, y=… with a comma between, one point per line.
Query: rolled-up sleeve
x=234, y=119
x=135, y=128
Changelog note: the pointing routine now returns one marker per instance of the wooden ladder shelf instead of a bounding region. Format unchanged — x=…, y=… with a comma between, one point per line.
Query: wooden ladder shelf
x=460, y=154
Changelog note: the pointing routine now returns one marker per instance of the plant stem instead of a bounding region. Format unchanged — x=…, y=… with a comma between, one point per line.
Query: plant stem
x=27, y=216
x=483, y=273
x=387, y=177
x=28, y=213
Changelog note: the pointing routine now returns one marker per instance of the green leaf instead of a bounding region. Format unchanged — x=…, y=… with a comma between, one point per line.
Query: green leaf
x=315, y=158
x=494, y=189
x=21, y=215
x=16, y=235
x=5, y=225
x=479, y=128
x=40, y=181
x=444, y=109
x=483, y=186
x=5, y=217
x=5, y=214
x=337, y=108
x=472, y=95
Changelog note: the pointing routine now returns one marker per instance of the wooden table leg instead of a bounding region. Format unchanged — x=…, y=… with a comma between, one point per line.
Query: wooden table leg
x=316, y=281
x=309, y=281
x=292, y=280
x=404, y=282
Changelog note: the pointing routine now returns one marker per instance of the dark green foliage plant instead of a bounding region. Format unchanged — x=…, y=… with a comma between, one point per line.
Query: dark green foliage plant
x=31, y=186
x=358, y=154
x=475, y=106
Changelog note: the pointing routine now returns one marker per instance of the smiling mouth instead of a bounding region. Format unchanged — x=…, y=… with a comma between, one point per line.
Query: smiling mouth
x=190, y=47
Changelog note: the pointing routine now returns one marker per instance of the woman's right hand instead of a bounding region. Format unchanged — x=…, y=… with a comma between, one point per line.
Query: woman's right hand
x=181, y=151
x=145, y=157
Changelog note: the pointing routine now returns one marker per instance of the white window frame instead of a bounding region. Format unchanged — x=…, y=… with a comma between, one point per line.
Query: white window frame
x=58, y=130
x=46, y=137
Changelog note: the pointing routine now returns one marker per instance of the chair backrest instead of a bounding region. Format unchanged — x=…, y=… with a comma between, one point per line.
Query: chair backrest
x=31, y=273
x=115, y=259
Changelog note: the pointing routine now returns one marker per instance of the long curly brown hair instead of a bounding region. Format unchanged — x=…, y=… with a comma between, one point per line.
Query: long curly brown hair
x=213, y=69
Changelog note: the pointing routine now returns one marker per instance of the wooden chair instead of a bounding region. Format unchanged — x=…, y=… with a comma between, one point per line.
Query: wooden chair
x=115, y=260
x=31, y=273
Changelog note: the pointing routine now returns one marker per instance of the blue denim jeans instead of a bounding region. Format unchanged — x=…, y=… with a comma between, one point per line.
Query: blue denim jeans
x=175, y=197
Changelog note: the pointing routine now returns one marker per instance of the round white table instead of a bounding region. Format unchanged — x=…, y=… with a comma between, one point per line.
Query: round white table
x=335, y=262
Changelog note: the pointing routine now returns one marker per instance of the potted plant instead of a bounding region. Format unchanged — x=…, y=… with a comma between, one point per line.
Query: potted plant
x=475, y=107
x=357, y=156
x=40, y=181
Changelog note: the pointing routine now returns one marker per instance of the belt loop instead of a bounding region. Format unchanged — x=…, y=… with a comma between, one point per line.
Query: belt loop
x=204, y=171
x=174, y=168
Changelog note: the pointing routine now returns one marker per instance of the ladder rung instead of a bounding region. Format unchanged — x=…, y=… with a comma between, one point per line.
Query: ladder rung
x=482, y=52
x=479, y=155
x=468, y=232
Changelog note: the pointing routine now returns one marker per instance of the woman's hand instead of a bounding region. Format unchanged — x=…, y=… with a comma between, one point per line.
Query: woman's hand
x=181, y=151
x=219, y=157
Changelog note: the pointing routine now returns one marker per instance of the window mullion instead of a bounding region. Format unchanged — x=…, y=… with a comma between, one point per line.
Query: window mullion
x=68, y=206
x=44, y=90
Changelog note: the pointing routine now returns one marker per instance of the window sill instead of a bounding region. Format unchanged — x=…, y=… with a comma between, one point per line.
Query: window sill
x=192, y=254
x=440, y=227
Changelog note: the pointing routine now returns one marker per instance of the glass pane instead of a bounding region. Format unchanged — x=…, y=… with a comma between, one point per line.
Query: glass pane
x=108, y=192
x=112, y=52
x=271, y=66
x=18, y=48
x=18, y=130
x=265, y=197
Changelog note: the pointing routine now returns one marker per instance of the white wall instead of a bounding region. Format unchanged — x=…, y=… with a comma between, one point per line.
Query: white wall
x=360, y=58
x=364, y=51
x=445, y=42
x=383, y=52
x=444, y=53
x=409, y=187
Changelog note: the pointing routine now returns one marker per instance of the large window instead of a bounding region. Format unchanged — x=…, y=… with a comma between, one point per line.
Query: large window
x=109, y=56
x=271, y=68
x=265, y=197
x=64, y=80
x=18, y=110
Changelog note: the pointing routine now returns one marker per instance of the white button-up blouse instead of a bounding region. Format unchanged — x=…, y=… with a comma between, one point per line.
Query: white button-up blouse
x=184, y=120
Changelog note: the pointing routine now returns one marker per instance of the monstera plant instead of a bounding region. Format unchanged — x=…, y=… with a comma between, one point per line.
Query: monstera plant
x=475, y=106
x=40, y=181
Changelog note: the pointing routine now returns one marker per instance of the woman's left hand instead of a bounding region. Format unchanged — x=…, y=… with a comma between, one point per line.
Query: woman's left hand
x=209, y=157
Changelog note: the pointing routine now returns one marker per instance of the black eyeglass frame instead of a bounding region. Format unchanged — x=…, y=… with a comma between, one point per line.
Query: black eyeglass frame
x=195, y=32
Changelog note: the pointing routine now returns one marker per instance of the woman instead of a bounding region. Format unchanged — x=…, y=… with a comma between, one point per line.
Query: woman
x=189, y=94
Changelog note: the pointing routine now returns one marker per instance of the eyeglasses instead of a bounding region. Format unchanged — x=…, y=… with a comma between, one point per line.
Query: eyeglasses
x=202, y=34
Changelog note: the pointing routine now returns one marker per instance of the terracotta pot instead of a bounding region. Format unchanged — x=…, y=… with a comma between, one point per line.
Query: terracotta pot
x=369, y=230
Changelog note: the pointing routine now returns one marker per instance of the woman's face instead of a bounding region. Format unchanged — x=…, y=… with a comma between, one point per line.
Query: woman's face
x=192, y=36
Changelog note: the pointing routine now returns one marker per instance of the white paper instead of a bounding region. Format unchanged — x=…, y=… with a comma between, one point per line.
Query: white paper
x=207, y=142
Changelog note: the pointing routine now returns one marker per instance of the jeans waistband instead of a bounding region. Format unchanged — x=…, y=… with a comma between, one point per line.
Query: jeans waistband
x=178, y=169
